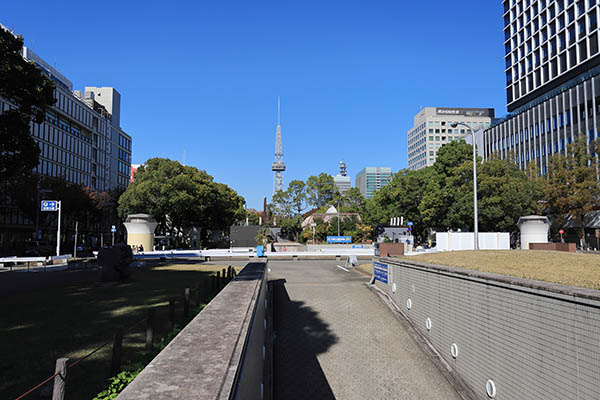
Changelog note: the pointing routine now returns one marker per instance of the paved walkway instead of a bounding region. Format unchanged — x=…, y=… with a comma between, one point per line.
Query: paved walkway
x=337, y=340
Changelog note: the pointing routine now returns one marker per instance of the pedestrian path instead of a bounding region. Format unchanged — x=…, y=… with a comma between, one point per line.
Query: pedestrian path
x=337, y=340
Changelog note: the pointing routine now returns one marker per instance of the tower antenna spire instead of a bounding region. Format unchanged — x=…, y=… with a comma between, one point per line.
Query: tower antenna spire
x=278, y=166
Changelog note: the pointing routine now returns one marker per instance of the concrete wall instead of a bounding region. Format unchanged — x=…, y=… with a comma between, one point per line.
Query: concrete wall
x=219, y=354
x=534, y=340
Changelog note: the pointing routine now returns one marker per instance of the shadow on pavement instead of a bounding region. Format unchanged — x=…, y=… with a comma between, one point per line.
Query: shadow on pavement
x=300, y=336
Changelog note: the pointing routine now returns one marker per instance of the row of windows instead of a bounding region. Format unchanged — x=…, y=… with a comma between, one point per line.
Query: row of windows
x=541, y=150
x=528, y=55
x=59, y=170
x=53, y=119
x=124, y=156
x=80, y=111
x=125, y=142
x=61, y=139
x=533, y=38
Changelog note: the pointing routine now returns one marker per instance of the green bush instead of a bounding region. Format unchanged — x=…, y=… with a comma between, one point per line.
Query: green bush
x=118, y=383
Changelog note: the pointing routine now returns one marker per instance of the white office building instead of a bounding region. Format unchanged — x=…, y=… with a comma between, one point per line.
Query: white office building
x=552, y=79
x=432, y=129
x=342, y=181
x=81, y=138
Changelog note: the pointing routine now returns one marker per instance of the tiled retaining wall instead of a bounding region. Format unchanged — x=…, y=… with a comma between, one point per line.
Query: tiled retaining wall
x=534, y=340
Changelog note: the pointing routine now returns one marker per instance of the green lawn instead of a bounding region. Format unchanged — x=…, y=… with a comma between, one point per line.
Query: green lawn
x=40, y=326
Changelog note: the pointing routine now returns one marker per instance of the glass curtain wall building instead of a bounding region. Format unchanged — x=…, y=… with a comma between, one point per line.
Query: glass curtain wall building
x=371, y=179
x=552, y=70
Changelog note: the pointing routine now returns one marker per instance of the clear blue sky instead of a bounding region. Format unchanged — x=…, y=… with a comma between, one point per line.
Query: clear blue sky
x=203, y=77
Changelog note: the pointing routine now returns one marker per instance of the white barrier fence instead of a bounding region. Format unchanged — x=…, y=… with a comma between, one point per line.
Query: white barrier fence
x=454, y=241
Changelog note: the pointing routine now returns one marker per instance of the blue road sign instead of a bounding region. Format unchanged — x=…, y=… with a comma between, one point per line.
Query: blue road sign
x=409, y=223
x=113, y=228
x=49, y=205
x=380, y=271
x=339, y=239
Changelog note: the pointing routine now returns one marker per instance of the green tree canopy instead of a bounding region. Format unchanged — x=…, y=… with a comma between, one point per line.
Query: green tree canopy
x=321, y=190
x=572, y=187
x=400, y=198
x=181, y=197
x=24, y=85
x=292, y=201
x=353, y=201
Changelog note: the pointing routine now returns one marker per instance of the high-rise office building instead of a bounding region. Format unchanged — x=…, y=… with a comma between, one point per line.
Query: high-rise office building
x=342, y=181
x=552, y=79
x=80, y=140
x=371, y=179
x=432, y=129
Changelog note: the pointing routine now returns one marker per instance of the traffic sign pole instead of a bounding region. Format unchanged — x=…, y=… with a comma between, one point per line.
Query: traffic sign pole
x=59, y=206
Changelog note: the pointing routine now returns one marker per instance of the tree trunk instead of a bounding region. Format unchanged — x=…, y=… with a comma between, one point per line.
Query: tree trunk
x=581, y=232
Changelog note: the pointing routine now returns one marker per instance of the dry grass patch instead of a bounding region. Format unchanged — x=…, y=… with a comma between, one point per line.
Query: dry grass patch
x=573, y=269
x=366, y=269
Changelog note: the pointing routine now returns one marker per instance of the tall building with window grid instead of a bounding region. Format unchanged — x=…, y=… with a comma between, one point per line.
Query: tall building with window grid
x=552, y=79
x=80, y=140
x=432, y=129
x=371, y=179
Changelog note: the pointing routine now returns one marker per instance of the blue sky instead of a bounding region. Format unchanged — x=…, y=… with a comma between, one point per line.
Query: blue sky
x=202, y=78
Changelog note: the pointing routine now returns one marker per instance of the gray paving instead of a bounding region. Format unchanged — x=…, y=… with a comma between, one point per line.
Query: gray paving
x=337, y=340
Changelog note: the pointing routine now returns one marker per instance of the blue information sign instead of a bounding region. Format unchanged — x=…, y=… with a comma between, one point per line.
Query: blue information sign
x=380, y=271
x=339, y=239
x=49, y=205
x=409, y=223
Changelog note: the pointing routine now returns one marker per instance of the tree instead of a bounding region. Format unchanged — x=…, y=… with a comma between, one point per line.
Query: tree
x=297, y=196
x=291, y=227
x=572, y=186
x=22, y=84
x=506, y=194
x=353, y=201
x=181, y=197
x=321, y=189
x=400, y=198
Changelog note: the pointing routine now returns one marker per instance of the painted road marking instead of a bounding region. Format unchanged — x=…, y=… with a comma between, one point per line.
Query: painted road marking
x=339, y=266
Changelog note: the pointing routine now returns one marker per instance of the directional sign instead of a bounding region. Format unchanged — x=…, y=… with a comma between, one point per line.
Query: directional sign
x=380, y=271
x=49, y=205
x=113, y=228
x=409, y=223
x=339, y=239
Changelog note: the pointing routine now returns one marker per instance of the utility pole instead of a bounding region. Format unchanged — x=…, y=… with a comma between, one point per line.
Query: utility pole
x=75, y=246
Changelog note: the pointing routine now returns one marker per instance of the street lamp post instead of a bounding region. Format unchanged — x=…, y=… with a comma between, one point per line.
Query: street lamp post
x=476, y=225
x=338, y=218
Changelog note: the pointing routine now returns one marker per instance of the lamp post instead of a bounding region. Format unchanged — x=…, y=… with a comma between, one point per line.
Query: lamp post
x=476, y=226
x=338, y=218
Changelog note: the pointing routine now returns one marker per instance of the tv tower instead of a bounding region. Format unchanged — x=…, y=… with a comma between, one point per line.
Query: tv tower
x=278, y=166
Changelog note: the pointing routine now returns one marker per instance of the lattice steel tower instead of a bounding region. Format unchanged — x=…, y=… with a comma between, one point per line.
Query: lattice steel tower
x=278, y=166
